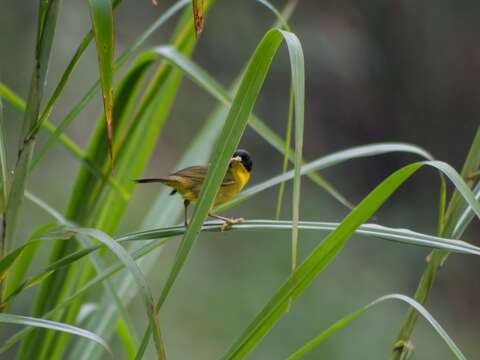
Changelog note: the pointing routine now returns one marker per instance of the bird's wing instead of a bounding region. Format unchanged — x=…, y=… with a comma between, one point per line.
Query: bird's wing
x=196, y=175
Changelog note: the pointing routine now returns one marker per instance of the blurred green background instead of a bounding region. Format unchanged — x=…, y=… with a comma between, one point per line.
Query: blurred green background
x=375, y=71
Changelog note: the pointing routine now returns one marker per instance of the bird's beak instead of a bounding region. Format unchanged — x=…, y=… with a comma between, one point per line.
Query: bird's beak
x=236, y=158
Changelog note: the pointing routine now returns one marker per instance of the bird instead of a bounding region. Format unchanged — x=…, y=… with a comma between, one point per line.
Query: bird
x=188, y=183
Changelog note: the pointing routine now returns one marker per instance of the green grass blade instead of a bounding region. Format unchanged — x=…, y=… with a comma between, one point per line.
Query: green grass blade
x=3, y=170
x=229, y=139
x=349, y=318
x=324, y=253
x=324, y=162
x=27, y=139
x=401, y=235
x=466, y=217
x=472, y=164
x=288, y=137
x=11, y=97
x=52, y=325
x=298, y=85
x=101, y=13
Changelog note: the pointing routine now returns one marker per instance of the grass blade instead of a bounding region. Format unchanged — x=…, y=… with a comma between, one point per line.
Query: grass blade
x=324, y=253
x=288, y=137
x=101, y=13
x=53, y=325
x=298, y=88
x=326, y=162
x=3, y=171
x=472, y=164
x=349, y=318
x=47, y=21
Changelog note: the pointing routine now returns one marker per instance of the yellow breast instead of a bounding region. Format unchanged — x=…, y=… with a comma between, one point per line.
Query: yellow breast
x=240, y=176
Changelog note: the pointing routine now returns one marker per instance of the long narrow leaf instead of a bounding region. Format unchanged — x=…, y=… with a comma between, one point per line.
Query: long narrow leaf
x=52, y=325
x=327, y=161
x=47, y=23
x=349, y=318
x=102, y=24
x=3, y=169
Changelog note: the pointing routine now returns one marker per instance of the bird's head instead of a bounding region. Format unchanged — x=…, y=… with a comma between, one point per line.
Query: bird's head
x=243, y=156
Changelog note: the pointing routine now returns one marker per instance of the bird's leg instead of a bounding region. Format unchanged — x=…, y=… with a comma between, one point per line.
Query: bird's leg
x=186, y=203
x=226, y=221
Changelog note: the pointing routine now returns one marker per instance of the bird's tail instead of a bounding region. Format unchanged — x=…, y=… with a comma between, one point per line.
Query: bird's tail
x=163, y=180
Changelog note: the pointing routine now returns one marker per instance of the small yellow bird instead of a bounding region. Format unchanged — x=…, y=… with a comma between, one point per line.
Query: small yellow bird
x=188, y=183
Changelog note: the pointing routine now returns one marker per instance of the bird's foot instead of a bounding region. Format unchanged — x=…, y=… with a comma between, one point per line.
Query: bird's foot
x=229, y=222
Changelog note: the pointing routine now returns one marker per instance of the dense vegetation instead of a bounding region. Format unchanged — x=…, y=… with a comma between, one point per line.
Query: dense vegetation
x=88, y=262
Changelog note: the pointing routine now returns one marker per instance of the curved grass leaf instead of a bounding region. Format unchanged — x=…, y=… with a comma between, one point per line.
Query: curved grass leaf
x=130, y=264
x=349, y=318
x=204, y=80
x=465, y=217
x=472, y=164
x=298, y=88
x=95, y=259
x=326, y=162
x=53, y=325
x=404, y=236
x=288, y=137
x=229, y=139
x=325, y=252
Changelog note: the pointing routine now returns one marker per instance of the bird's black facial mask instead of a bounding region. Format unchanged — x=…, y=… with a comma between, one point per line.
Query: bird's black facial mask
x=246, y=159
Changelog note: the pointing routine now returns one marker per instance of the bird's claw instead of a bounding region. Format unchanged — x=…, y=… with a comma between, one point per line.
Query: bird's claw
x=230, y=222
